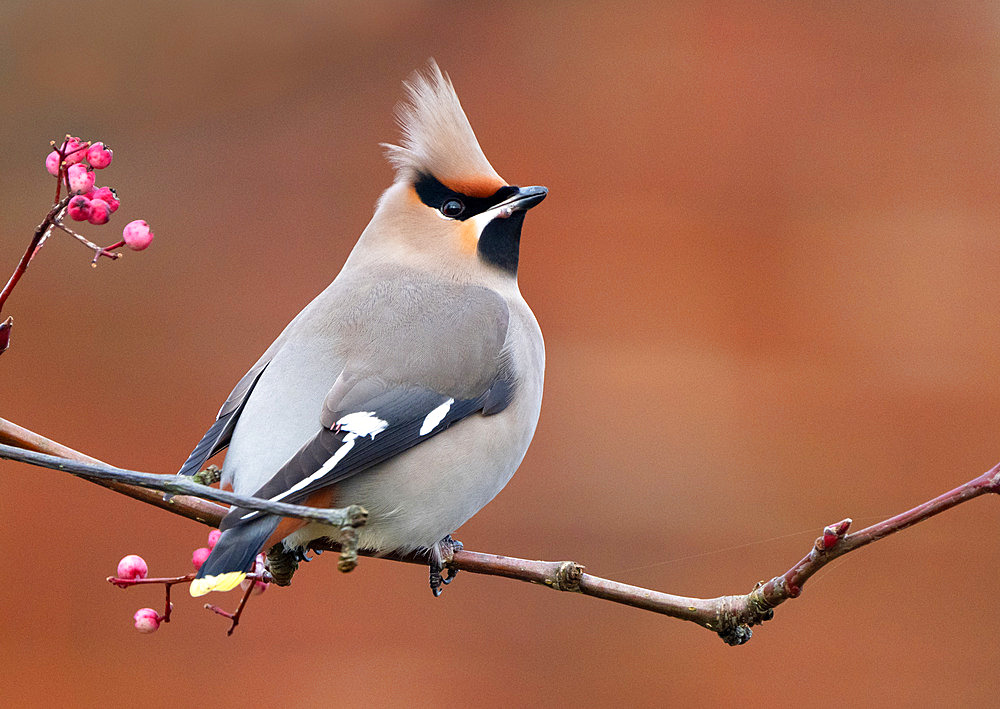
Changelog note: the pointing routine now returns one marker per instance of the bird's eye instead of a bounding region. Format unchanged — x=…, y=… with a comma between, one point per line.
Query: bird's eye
x=452, y=208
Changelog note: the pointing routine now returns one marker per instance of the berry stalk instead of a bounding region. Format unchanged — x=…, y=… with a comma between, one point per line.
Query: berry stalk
x=50, y=219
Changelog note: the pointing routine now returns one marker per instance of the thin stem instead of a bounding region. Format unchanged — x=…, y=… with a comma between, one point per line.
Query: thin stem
x=168, y=583
x=40, y=231
x=78, y=237
x=98, y=250
x=168, y=580
x=235, y=616
x=60, y=166
x=789, y=584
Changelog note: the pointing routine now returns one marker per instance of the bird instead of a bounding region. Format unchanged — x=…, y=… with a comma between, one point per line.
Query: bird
x=412, y=384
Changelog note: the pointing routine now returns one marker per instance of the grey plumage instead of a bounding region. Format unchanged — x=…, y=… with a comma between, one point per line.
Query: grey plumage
x=412, y=384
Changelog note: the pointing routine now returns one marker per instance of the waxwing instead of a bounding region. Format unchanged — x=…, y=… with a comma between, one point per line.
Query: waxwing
x=412, y=384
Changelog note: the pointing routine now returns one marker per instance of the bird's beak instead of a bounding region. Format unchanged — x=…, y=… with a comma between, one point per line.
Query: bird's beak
x=524, y=199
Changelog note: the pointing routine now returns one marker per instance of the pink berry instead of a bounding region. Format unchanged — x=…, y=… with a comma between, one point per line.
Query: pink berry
x=137, y=235
x=213, y=537
x=199, y=556
x=132, y=567
x=81, y=178
x=100, y=212
x=52, y=163
x=75, y=150
x=108, y=195
x=99, y=156
x=146, y=620
x=79, y=208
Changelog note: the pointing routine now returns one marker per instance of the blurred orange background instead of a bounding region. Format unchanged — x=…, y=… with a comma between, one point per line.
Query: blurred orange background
x=767, y=275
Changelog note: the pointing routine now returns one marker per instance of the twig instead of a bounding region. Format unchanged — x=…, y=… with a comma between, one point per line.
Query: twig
x=98, y=250
x=235, y=615
x=730, y=616
x=40, y=231
x=191, y=507
x=353, y=515
x=168, y=583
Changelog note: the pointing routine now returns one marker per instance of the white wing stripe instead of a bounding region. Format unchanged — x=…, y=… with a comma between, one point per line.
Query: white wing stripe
x=435, y=417
x=358, y=425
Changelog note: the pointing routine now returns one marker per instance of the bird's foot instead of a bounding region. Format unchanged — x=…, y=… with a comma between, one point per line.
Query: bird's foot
x=210, y=475
x=282, y=564
x=441, y=555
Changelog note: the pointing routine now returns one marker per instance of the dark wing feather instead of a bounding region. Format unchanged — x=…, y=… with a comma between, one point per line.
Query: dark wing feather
x=404, y=411
x=218, y=435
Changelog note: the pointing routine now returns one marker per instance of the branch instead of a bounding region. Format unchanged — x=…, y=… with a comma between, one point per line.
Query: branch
x=191, y=507
x=729, y=616
x=183, y=485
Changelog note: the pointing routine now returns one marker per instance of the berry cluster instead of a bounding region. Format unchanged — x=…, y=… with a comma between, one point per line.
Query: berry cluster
x=73, y=163
x=133, y=570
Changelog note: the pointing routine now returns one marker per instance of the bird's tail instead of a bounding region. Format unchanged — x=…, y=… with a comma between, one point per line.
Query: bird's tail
x=233, y=555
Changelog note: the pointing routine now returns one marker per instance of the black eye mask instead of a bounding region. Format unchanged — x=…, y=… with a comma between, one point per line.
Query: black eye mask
x=436, y=196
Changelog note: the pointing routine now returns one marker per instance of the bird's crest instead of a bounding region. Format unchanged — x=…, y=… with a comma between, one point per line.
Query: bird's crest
x=437, y=138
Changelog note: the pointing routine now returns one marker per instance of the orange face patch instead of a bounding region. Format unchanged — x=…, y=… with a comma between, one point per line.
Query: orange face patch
x=475, y=185
x=468, y=239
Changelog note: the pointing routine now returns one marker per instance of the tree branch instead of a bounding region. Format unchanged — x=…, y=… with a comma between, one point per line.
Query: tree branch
x=182, y=485
x=191, y=507
x=730, y=616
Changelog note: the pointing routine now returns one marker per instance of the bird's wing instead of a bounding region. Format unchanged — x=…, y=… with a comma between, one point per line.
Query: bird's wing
x=217, y=437
x=374, y=412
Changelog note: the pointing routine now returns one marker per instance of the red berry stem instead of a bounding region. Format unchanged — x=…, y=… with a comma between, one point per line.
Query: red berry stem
x=61, y=167
x=85, y=146
x=63, y=178
x=235, y=617
x=40, y=231
x=169, y=580
x=98, y=250
x=168, y=583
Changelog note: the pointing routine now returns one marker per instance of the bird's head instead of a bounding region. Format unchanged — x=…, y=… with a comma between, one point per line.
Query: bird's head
x=448, y=206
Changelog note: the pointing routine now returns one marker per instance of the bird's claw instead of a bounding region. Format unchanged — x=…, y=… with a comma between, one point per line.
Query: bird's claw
x=441, y=557
x=281, y=564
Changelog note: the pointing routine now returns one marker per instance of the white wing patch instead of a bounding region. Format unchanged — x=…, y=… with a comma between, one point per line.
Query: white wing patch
x=362, y=423
x=435, y=417
x=357, y=425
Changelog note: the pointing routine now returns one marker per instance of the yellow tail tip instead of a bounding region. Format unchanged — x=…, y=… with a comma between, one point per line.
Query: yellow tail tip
x=222, y=582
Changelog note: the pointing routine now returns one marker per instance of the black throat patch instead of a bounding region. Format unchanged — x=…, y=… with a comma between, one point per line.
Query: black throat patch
x=500, y=242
